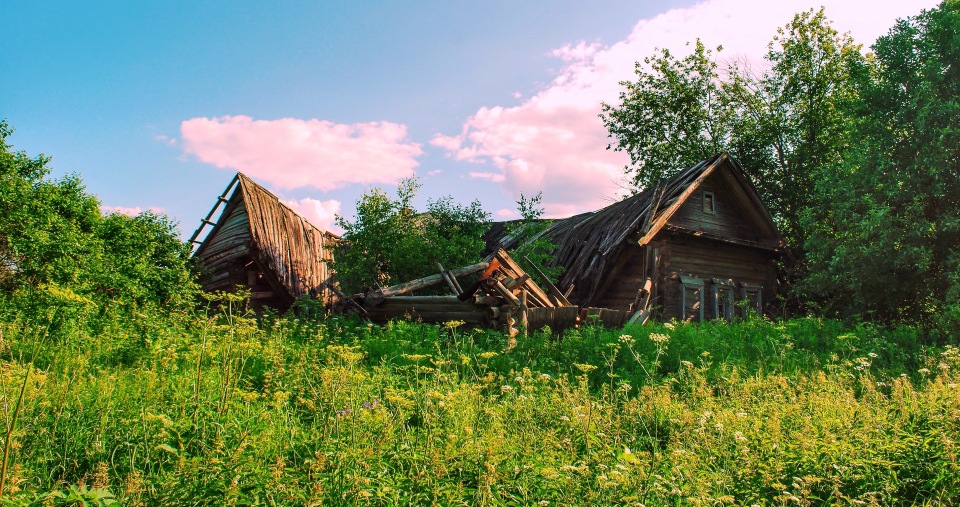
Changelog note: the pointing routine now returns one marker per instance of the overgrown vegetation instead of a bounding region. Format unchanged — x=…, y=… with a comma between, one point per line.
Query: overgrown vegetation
x=63, y=259
x=389, y=242
x=117, y=387
x=856, y=157
x=232, y=411
x=531, y=243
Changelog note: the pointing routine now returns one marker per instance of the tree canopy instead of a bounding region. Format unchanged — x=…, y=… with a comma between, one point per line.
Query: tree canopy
x=780, y=124
x=886, y=240
x=857, y=156
x=390, y=242
x=57, y=247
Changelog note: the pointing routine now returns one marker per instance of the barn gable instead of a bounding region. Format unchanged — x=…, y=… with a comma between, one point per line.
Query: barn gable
x=261, y=244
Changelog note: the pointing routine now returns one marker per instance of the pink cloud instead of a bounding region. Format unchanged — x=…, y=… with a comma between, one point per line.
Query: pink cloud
x=555, y=141
x=506, y=213
x=295, y=153
x=494, y=177
x=318, y=213
x=129, y=211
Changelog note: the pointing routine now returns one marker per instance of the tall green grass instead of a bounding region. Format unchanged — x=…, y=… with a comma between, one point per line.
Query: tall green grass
x=190, y=410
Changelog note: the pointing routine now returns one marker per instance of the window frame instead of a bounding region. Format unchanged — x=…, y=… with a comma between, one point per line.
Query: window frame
x=712, y=198
x=729, y=287
x=690, y=282
x=747, y=288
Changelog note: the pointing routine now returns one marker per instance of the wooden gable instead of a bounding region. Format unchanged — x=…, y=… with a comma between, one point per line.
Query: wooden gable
x=721, y=204
x=263, y=245
x=721, y=209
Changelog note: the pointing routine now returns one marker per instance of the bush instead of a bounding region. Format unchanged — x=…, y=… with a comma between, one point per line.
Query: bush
x=389, y=242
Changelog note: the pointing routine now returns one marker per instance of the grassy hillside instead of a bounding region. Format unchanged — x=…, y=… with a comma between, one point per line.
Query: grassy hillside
x=189, y=410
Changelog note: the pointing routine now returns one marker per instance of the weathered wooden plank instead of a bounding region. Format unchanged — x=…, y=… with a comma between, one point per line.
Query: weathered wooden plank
x=403, y=288
x=423, y=299
x=535, y=291
x=554, y=291
x=506, y=294
x=470, y=317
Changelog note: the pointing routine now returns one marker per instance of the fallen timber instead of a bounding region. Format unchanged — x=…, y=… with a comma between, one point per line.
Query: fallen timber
x=502, y=296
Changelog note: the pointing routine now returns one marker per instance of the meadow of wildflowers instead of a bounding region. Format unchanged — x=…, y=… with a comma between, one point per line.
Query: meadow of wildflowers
x=284, y=411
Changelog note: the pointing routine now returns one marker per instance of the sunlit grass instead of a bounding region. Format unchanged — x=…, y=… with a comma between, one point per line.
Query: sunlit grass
x=233, y=411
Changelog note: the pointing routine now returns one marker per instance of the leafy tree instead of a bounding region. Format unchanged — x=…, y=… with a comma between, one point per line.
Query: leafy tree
x=673, y=116
x=887, y=238
x=781, y=125
x=57, y=247
x=793, y=119
x=389, y=242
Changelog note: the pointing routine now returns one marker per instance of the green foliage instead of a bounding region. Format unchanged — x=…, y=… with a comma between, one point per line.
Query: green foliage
x=673, y=116
x=228, y=410
x=781, y=125
x=886, y=246
x=389, y=242
x=531, y=243
x=793, y=119
x=63, y=263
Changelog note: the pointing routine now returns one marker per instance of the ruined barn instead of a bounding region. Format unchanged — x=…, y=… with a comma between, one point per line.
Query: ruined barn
x=699, y=245
x=260, y=244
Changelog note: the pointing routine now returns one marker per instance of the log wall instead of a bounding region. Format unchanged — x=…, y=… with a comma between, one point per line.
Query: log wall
x=706, y=259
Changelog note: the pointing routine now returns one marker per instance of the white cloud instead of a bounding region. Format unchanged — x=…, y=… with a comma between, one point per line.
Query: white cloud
x=555, y=141
x=494, y=177
x=296, y=153
x=317, y=212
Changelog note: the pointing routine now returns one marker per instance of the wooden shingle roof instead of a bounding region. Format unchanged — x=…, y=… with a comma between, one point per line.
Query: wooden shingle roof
x=295, y=251
x=587, y=244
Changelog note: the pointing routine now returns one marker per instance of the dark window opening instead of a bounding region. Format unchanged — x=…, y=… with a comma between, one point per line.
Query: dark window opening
x=709, y=203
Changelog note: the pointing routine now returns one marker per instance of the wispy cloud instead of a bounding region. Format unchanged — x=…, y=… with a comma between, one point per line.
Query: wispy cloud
x=167, y=140
x=296, y=153
x=494, y=177
x=555, y=141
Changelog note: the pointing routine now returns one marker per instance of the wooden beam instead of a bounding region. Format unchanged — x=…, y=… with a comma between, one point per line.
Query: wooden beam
x=524, y=322
x=450, y=279
x=505, y=292
x=654, y=205
x=723, y=239
x=535, y=291
x=403, y=288
x=561, y=297
x=221, y=199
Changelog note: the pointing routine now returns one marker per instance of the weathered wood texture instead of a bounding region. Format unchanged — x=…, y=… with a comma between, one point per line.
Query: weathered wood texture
x=504, y=298
x=604, y=256
x=558, y=319
x=707, y=259
x=257, y=233
x=728, y=219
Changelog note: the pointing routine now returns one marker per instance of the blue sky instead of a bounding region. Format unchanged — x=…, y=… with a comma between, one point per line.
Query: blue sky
x=156, y=104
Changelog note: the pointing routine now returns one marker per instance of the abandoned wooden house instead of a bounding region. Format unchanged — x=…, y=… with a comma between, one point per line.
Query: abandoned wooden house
x=699, y=245
x=260, y=244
